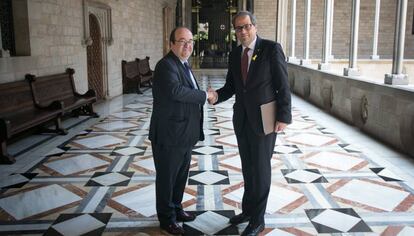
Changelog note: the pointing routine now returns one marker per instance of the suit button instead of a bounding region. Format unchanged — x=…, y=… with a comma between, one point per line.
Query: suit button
x=244, y=90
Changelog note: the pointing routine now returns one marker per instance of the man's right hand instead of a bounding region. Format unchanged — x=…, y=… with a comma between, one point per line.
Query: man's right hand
x=212, y=96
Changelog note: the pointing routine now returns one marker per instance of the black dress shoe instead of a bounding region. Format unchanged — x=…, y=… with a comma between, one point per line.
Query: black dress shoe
x=253, y=230
x=183, y=216
x=238, y=219
x=173, y=228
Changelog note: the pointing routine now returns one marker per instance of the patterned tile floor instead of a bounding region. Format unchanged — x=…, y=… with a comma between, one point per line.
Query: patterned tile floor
x=328, y=178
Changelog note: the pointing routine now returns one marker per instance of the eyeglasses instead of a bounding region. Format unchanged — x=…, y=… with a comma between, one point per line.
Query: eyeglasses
x=239, y=29
x=182, y=42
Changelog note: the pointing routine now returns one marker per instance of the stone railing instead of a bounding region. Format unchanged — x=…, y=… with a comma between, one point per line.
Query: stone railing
x=383, y=111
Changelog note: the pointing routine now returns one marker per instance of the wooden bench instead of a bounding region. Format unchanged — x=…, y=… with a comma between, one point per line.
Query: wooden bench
x=145, y=72
x=136, y=74
x=19, y=113
x=61, y=87
x=130, y=76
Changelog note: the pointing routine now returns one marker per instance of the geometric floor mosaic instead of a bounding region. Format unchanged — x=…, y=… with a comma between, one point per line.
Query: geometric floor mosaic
x=102, y=182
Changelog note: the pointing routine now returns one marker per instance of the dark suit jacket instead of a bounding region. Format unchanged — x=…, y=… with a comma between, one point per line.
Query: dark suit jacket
x=267, y=80
x=177, y=116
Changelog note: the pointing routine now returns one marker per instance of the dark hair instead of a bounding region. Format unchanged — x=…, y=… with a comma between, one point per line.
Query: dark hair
x=244, y=13
x=172, y=35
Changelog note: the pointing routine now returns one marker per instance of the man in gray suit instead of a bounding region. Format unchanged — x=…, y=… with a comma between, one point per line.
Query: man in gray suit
x=176, y=126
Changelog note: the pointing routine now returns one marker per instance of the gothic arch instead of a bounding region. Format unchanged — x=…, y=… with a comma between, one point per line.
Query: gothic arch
x=102, y=14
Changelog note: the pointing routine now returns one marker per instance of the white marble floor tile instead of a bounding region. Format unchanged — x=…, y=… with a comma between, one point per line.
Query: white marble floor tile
x=12, y=180
x=226, y=114
x=233, y=161
x=226, y=125
x=127, y=114
x=115, y=125
x=75, y=164
x=99, y=141
x=311, y=139
x=78, y=225
x=278, y=232
x=375, y=195
x=300, y=125
x=208, y=177
x=279, y=198
x=303, y=176
x=143, y=200
x=338, y=161
x=389, y=174
x=285, y=149
x=207, y=150
x=146, y=163
x=231, y=139
x=406, y=231
x=109, y=179
x=236, y=195
x=140, y=132
x=336, y=220
x=137, y=106
x=25, y=204
x=209, y=223
x=129, y=151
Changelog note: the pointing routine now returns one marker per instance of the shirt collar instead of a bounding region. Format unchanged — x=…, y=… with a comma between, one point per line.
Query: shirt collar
x=182, y=62
x=252, y=44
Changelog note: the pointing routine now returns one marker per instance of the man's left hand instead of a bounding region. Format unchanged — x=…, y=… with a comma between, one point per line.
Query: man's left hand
x=280, y=126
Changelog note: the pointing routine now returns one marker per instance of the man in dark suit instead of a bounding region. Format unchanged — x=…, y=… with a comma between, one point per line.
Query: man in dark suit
x=176, y=126
x=257, y=74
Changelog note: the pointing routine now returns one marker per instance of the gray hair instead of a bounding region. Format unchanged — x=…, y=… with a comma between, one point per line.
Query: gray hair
x=242, y=14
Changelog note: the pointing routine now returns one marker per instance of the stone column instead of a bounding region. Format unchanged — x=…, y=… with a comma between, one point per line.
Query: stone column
x=324, y=65
x=281, y=24
x=397, y=77
x=292, y=57
x=331, y=30
x=352, y=69
x=374, y=55
x=305, y=61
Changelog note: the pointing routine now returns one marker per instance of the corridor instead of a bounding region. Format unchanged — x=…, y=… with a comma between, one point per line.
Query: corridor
x=327, y=177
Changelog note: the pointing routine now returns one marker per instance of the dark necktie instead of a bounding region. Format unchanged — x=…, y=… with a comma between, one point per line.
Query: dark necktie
x=188, y=73
x=244, y=64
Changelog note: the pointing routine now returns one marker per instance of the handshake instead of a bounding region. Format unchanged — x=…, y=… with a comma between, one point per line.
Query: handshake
x=212, y=96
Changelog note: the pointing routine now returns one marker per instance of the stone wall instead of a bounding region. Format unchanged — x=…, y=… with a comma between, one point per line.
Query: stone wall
x=265, y=12
x=383, y=111
x=341, y=29
x=56, y=33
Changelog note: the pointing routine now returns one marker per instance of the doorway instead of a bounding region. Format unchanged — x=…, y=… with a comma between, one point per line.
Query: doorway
x=213, y=32
x=94, y=58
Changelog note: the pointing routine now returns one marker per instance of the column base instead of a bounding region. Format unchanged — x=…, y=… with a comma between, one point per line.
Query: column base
x=396, y=79
x=305, y=62
x=374, y=57
x=351, y=72
x=293, y=60
x=324, y=66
